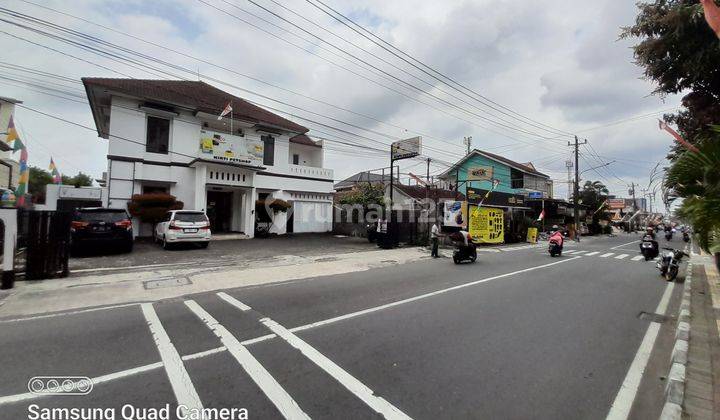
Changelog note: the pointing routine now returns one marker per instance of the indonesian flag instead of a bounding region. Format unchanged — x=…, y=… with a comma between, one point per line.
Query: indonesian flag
x=57, y=179
x=228, y=109
x=712, y=15
x=542, y=216
x=678, y=137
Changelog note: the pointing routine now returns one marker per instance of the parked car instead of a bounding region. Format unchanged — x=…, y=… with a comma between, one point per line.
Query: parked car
x=183, y=226
x=96, y=225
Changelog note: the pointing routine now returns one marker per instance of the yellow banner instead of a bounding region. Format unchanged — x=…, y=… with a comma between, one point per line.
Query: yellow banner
x=532, y=235
x=486, y=225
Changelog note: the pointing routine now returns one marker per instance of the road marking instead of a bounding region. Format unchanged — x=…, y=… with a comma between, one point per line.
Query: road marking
x=580, y=252
x=210, y=352
x=180, y=381
x=82, y=311
x=607, y=255
x=570, y=252
x=625, y=397
x=638, y=258
x=272, y=389
x=352, y=384
x=621, y=256
x=234, y=302
x=592, y=253
x=620, y=246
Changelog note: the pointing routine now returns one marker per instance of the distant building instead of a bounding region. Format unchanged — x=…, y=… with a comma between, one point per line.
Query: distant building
x=359, y=178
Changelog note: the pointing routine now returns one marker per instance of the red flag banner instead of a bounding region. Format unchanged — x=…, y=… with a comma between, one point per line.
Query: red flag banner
x=712, y=15
x=678, y=137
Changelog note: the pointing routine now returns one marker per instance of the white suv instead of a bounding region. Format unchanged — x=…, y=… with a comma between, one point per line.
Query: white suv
x=183, y=226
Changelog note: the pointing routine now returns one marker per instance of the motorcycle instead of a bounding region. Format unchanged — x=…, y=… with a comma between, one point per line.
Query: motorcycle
x=669, y=264
x=686, y=237
x=464, y=253
x=649, y=248
x=668, y=235
x=554, y=248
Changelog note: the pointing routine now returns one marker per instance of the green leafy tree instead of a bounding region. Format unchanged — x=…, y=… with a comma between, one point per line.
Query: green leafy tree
x=365, y=195
x=79, y=180
x=38, y=179
x=680, y=53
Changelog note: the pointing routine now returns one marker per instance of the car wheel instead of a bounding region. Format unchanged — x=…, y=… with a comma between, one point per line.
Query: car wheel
x=129, y=247
x=165, y=243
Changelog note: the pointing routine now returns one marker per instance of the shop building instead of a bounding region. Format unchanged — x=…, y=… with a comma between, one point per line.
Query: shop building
x=166, y=136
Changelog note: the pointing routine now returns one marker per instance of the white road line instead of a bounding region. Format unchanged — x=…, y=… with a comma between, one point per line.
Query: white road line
x=621, y=256
x=570, y=252
x=82, y=311
x=607, y=255
x=638, y=258
x=625, y=397
x=179, y=379
x=234, y=302
x=620, y=246
x=589, y=254
x=580, y=252
x=206, y=353
x=272, y=389
x=353, y=385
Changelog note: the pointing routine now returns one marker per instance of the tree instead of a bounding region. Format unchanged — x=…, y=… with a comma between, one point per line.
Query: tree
x=152, y=207
x=593, y=195
x=365, y=195
x=680, y=53
x=38, y=179
x=79, y=180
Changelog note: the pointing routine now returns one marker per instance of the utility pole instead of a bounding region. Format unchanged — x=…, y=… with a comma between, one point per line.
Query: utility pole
x=569, y=166
x=468, y=143
x=427, y=200
x=577, y=187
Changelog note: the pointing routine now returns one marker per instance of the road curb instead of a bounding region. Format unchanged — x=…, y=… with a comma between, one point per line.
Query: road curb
x=675, y=388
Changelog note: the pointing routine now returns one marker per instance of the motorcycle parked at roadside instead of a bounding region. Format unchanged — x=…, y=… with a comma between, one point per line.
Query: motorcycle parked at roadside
x=669, y=263
x=686, y=237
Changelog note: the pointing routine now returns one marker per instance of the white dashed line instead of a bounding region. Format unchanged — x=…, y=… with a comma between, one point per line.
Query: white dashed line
x=272, y=389
x=638, y=258
x=621, y=256
x=234, y=302
x=180, y=381
x=570, y=252
x=607, y=255
x=580, y=252
x=592, y=253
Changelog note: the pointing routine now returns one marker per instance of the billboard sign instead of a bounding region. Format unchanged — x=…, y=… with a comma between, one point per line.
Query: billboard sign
x=405, y=149
x=616, y=203
x=480, y=173
x=224, y=147
x=455, y=214
x=535, y=194
x=487, y=225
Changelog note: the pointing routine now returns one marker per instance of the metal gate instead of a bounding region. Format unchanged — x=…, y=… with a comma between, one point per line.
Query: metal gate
x=43, y=244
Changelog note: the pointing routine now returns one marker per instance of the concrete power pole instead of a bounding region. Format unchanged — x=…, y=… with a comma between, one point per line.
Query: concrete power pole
x=468, y=143
x=569, y=166
x=577, y=187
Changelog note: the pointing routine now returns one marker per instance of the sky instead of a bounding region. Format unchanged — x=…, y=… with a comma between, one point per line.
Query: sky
x=528, y=78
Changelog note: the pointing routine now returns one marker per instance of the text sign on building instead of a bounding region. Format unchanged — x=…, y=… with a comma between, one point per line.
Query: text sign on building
x=535, y=194
x=229, y=148
x=480, y=173
x=405, y=149
x=80, y=193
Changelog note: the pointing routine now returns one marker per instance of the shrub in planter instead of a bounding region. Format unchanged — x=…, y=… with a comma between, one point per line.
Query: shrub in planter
x=151, y=208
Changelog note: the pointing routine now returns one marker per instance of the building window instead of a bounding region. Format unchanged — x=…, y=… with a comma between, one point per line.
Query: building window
x=158, y=135
x=296, y=159
x=153, y=189
x=269, y=150
x=517, y=179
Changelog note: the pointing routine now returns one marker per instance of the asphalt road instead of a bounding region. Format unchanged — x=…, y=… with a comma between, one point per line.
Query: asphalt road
x=516, y=335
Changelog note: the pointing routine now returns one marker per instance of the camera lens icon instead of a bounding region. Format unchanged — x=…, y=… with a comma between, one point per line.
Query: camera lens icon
x=60, y=385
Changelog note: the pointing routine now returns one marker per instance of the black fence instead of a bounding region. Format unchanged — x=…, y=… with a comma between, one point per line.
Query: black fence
x=43, y=244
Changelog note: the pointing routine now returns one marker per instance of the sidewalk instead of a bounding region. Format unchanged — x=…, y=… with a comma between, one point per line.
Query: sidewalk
x=696, y=393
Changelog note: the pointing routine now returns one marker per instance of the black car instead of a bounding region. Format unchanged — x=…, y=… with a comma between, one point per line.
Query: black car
x=95, y=226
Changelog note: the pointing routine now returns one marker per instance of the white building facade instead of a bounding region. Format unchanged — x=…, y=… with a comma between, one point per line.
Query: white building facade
x=165, y=136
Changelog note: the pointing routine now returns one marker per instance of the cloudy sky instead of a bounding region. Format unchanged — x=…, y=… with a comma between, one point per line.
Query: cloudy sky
x=544, y=71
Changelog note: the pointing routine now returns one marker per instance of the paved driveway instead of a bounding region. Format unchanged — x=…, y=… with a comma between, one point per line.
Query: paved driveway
x=148, y=253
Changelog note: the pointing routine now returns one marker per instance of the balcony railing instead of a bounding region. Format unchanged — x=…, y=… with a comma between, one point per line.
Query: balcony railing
x=310, y=171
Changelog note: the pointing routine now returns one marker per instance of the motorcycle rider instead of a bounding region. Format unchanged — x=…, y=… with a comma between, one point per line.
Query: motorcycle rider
x=650, y=237
x=557, y=236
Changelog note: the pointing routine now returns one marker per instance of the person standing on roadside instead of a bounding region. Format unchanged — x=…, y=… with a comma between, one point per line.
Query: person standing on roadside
x=435, y=234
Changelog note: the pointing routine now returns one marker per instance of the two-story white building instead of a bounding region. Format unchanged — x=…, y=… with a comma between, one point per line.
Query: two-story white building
x=165, y=136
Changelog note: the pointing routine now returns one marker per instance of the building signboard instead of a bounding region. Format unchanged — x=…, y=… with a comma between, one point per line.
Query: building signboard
x=476, y=195
x=405, y=149
x=487, y=225
x=480, y=173
x=229, y=148
x=535, y=194
x=71, y=192
x=455, y=214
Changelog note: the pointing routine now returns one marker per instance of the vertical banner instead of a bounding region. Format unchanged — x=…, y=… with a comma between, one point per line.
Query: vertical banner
x=487, y=225
x=532, y=235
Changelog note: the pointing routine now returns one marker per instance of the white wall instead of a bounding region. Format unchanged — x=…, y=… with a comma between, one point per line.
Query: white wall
x=309, y=155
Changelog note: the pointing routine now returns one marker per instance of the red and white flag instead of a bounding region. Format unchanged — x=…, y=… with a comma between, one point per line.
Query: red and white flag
x=712, y=15
x=678, y=137
x=542, y=216
x=228, y=109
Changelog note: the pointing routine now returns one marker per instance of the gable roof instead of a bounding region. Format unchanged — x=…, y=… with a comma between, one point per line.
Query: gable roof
x=417, y=192
x=362, y=177
x=305, y=140
x=195, y=95
x=497, y=158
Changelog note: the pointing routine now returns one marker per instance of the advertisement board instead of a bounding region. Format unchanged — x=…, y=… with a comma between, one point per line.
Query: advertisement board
x=532, y=235
x=487, y=225
x=229, y=148
x=480, y=173
x=455, y=214
x=535, y=194
x=405, y=149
